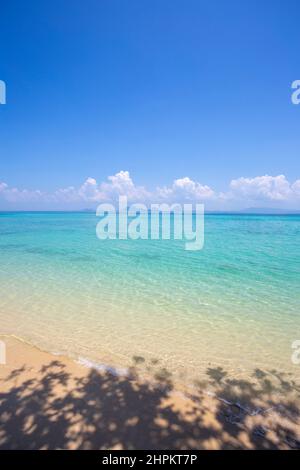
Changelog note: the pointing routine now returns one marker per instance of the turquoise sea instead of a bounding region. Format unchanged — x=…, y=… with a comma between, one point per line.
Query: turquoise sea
x=235, y=304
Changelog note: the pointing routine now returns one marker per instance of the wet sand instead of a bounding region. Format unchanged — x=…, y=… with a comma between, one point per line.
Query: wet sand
x=52, y=402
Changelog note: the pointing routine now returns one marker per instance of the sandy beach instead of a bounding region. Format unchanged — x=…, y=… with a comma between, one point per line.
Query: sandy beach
x=52, y=402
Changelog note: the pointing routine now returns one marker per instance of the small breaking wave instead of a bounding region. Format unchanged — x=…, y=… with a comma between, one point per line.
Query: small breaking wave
x=102, y=367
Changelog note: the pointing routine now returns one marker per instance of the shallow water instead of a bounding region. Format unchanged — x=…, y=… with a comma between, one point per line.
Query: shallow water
x=235, y=304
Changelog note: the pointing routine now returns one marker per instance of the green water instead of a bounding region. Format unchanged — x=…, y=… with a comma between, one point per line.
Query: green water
x=235, y=304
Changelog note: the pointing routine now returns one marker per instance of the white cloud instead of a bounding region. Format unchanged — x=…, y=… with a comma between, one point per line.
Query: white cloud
x=68, y=195
x=264, y=188
x=296, y=188
x=3, y=186
x=19, y=195
x=185, y=189
x=121, y=184
x=89, y=190
x=274, y=191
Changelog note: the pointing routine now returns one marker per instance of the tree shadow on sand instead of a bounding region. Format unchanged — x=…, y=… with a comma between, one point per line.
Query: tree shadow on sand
x=99, y=410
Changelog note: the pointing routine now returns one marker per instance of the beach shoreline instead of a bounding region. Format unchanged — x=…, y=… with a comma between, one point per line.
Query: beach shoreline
x=52, y=402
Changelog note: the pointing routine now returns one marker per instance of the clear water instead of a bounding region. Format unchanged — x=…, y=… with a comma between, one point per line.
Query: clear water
x=235, y=304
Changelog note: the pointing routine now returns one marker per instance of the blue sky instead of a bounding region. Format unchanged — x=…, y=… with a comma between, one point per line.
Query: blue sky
x=164, y=90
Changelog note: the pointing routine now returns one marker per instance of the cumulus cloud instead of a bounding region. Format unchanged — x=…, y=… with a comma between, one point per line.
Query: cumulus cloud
x=121, y=184
x=272, y=191
x=276, y=188
x=89, y=192
x=17, y=195
x=185, y=189
x=3, y=186
x=296, y=188
x=242, y=192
